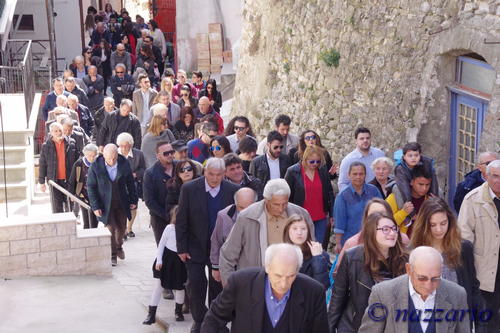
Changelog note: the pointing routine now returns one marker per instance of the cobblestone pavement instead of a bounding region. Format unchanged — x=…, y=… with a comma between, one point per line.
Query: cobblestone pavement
x=135, y=272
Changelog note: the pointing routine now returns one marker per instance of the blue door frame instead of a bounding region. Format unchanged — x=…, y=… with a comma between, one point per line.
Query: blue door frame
x=458, y=97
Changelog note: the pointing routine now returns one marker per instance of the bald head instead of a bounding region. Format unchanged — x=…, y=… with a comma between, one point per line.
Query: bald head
x=424, y=270
x=484, y=159
x=425, y=255
x=282, y=263
x=110, y=154
x=204, y=104
x=244, y=197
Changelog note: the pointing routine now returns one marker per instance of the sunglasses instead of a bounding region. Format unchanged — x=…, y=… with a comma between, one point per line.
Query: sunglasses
x=184, y=95
x=120, y=72
x=211, y=136
x=314, y=162
x=277, y=147
x=218, y=148
x=168, y=152
x=186, y=169
x=88, y=52
x=209, y=88
x=241, y=129
x=387, y=230
x=310, y=137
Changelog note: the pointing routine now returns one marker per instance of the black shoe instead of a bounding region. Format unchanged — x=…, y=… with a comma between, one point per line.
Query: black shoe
x=113, y=261
x=131, y=234
x=125, y=237
x=150, y=319
x=168, y=294
x=120, y=254
x=178, y=312
x=195, y=328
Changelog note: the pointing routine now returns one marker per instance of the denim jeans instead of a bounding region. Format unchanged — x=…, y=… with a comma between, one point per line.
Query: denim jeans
x=320, y=229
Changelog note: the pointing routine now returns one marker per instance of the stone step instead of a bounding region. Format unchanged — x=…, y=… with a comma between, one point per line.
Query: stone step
x=15, y=138
x=15, y=173
x=13, y=154
x=15, y=191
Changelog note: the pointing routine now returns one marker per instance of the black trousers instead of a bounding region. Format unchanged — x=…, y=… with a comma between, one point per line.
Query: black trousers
x=158, y=224
x=58, y=200
x=117, y=224
x=89, y=218
x=493, y=304
x=198, y=289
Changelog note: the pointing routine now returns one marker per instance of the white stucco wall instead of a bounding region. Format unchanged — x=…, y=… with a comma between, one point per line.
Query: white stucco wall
x=193, y=17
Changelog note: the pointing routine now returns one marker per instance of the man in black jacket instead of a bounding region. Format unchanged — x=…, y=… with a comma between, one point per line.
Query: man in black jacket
x=108, y=107
x=200, y=201
x=122, y=84
x=112, y=194
x=236, y=175
x=253, y=298
x=155, y=190
x=148, y=41
x=57, y=157
x=120, y=121
x=273, y=164
x=84, y=115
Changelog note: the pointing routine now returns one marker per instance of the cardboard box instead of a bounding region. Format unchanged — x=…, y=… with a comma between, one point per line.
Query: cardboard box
x=203, y=54
x=214, y=36
x=215, y=68
x=202, y=38
x=216, y=61
x=204, y=69
x=215, y=27
x=203, y=46
x=216, y=47
x=228, y=57
x=216, y=53
x=204, y=62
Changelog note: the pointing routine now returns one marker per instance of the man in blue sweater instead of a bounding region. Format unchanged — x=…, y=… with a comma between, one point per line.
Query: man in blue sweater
x=50, y=100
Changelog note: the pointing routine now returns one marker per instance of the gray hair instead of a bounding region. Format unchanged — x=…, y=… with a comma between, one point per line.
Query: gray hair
x=493, y=164
x=424, y=251
x=90, y=148
x=66, y=121
x=73, y=97
x=215, y=163
x=120, y=65
x=62, y=97
x=79, y=58
x=126, y=101
x=385, y=160
x=55, y=124
x=124, y=137
x=157, y=108
x=109, y=99
x=62, y=117
x=277, y=186
x=242, y=191
x=486, y=154
x=290, y=249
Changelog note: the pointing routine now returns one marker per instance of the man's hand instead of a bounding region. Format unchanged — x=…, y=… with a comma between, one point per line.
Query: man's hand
x=333, y=170
x=132, y=207
x=158, y=267
x=408, y=207
x=98, y=212
x=184, y=256
x=216, y=275
x=43, y=187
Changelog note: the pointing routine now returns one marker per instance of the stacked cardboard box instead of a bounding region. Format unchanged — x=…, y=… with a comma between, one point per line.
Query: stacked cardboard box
x=203, y=52
x=216, y=46
x=228, y=56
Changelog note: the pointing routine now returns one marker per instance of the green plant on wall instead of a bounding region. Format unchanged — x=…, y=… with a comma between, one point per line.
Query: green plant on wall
x=286, y=66
x=331, y=57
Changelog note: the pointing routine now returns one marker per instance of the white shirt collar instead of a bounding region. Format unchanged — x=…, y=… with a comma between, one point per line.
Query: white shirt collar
x=413, y=292
x=492, y=194
x=130, y=154
x=212, y=190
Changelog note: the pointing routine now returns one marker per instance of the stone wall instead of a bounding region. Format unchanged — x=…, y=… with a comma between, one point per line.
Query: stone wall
x=396, y=60
x=51, y=245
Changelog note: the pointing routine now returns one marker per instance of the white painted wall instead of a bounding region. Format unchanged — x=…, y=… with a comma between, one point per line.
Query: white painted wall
x=193, y=17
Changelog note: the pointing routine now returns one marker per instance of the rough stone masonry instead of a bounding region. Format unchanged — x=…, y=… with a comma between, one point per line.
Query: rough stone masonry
x=397, y=60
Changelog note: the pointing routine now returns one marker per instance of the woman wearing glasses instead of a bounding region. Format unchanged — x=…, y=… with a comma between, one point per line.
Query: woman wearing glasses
x=186, y=99
x=220, y=146
x=311, y=138
x=311, y=189
x=214, y=96
x=436, y=226
x=380, y=258
x=185, y=171
x=157, y=132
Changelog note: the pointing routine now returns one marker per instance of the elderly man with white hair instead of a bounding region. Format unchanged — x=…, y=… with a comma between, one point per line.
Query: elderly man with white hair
x=276, y=298
x=479, y=222
x=85, y=118
x=50, y=100
x=419, y=301
x=257, y=227
x=204, y=109
x=199, y=202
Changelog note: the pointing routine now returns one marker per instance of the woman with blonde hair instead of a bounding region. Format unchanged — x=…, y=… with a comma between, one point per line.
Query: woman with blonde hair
x=311, y=189
x=157, y=132
x=167, y=85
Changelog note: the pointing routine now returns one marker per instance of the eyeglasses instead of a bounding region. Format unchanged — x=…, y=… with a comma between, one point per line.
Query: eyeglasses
x=88, y=52
x=218, y=148
x=209, y=88
x=485, y=163
x=310, y=137
x=120, y=72
x=184, y=95
x=277, y=147
x=168, y=152
x=386, y=230
x=422, y=278
x=186, y=169
x=314, y=162
x=240, y=129
x=211, y=136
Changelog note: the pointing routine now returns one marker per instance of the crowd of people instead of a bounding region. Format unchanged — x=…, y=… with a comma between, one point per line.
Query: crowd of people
x=121, y=126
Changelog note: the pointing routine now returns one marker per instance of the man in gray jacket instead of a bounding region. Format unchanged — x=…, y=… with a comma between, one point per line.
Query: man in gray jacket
x=419, y=301
x=257, y=227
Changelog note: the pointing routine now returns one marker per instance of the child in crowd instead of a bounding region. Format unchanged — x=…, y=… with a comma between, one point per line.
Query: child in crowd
x=170, y=272
x=412, y=157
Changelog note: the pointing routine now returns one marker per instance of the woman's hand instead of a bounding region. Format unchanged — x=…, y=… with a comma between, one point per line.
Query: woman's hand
x=316, y=248
x=333, y=170
x=158, y=267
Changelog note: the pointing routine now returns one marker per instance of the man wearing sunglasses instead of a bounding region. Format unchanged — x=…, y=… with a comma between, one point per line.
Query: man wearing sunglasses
x=273, y=164
x=143, y=100
x=473, y=179
x=241, y=128
x=421, y=293
x=122, y=84
x=198, y=149
x=155, y=190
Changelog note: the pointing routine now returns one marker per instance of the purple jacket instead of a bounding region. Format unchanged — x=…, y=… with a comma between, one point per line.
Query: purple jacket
x=223, y=225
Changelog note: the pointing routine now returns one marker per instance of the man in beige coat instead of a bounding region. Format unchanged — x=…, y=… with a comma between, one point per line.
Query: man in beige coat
x=479, y=221
x=143, y=100
x=257, y=227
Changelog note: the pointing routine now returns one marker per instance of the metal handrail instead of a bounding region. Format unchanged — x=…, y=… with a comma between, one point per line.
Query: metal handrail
x=70, y=195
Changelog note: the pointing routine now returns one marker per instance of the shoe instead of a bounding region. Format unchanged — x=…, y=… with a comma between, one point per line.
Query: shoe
x=195, y=328
x=125, y=237
x=113, y=261
x=178, y=312
x=185, y=307
x=168, y=294
x=120, y=254
x=131, y=234
x=150, y=319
